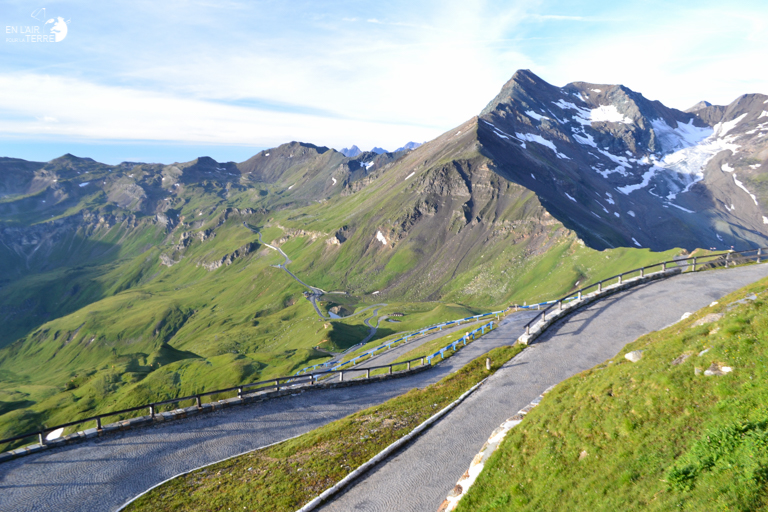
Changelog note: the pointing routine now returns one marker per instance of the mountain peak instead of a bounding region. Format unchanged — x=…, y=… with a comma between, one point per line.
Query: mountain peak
x=351, y=152
x=700, y=105
x=523, y=88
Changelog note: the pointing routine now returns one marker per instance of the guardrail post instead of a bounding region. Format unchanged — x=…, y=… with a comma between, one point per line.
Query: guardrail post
x=600, y=286
x=41, y=438
x=642, y=271
x=538, y=306
x=240, y=392
x=277, y=384
x=759, y=254
x=367, y=373
x=98, y=423
x=727, y=259
x=198, y=402
x=527, y=329
x=390, y=370
x=664, y=266
x=152, y=411
x=619, y=279
x=559, y=305
x=312, y=379
x=544, y=315
x=409, y=366
x=341, y=376
x=579, y=298
x=422, y=361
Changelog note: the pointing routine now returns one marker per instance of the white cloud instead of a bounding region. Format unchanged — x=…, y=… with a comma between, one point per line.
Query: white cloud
x=102, y=112
x=363, y=73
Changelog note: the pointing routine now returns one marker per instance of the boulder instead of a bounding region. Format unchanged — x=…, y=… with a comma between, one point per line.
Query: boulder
x=717, y=369
x=634, y=356
x=707, y=319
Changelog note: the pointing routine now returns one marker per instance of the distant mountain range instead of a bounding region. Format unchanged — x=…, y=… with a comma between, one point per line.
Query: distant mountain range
x=355, y=151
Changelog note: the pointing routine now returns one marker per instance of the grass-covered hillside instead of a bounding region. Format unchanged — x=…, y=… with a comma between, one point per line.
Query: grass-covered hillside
x=659, y=434
x=141, y=282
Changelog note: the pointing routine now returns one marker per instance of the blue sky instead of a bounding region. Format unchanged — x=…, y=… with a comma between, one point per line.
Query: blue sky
x=169, y=81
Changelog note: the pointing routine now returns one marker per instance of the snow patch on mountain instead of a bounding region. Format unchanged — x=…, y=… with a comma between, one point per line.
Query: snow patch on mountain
x=688, y=163
x=636, y=242
x=631, y=213
x=533, y=137
x=608, y=114
x=721, y=129
x=334, y=180
x=570, y=197
x=534, y=115
x=742, y=187
x=681, y=208
x=763, y=114
x=380, y=238
x=727, y=168
x=685, y=135
x=414, y=172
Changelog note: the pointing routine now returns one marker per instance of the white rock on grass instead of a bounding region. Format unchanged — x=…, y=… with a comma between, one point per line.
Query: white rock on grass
x=716, y=370
x=634, y=356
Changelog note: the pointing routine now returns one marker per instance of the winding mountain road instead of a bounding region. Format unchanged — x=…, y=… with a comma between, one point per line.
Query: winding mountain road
x=104, y=473
x=420, y=476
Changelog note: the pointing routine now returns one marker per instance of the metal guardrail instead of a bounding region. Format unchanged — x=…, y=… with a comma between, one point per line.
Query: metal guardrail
x=265, y=385
x=725, y=259
x=389, y=344
x=292, y=381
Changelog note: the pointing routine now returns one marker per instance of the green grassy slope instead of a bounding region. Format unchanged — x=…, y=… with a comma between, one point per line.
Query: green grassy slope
x=654, y=435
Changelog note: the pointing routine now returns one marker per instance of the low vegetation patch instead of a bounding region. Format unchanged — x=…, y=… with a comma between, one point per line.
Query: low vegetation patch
x=288, y=475
x=683, y=428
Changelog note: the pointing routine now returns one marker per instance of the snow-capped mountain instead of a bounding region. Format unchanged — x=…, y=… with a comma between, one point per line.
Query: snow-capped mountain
x=623, y=170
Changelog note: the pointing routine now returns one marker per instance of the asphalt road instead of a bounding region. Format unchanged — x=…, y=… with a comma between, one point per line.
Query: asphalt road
x=419, y=477
x=103, y=474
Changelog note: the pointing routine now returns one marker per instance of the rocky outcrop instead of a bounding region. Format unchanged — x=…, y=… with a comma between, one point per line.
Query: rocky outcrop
x=228, y=259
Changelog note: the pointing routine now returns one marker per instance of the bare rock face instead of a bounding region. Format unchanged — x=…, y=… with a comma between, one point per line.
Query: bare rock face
x=228, y=259
x=634, y=356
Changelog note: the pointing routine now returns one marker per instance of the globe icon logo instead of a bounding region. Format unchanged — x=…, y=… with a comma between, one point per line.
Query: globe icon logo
x=59, y=29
